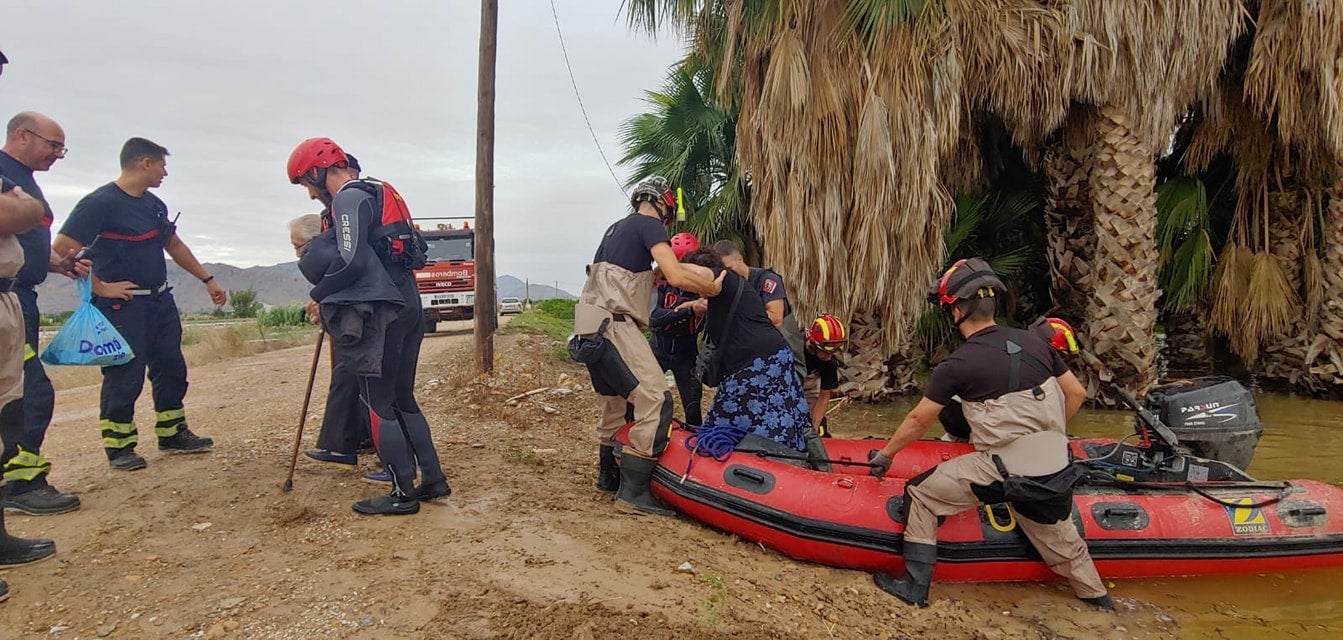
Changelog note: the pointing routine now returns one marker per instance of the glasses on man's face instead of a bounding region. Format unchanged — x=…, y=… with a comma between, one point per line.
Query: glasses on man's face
x=58, y=147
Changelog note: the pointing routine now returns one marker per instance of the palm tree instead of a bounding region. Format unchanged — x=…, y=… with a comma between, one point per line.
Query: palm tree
x=854, y=117
x=689, y=136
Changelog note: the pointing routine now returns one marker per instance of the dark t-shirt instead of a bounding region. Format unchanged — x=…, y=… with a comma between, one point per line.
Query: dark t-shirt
x=36, y=242
x=979, y=369
x=752, y=334
x=770, y=287
x=629, y=242
x=132, y=230
x=828, y=370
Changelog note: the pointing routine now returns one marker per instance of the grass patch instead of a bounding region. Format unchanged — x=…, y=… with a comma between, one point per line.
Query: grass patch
x=537, y=321
x=514, y=453
x=711, y=608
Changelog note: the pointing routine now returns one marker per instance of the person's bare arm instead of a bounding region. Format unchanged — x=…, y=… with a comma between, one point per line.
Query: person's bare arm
x=818, y=410
x=1074, y=394
x=181, y=254
x=19, y=212
x=774, y=309
x=682, y=277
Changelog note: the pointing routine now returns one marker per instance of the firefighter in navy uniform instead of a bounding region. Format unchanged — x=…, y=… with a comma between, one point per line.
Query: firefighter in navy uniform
x=360, y=262
x=611, y=311
x=674, y=324
x=19, y=212
x=132, y=231
x=33, y=142
x=1017, y=395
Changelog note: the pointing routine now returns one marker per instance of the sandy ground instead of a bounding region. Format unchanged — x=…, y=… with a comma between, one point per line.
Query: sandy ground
x=210, y=547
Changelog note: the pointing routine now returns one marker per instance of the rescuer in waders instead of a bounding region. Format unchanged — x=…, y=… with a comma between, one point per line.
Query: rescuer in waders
x=674, y=325
x=610, y=316
x=133, y=230
x=1017, y=395
x=362, y=270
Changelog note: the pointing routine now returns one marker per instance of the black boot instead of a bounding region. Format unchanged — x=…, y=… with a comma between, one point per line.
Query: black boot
x=17, y=551
x=608, y=474
x=433, y=490
x=1104, y=603
x=816, y=453
x=635, y=474
x=913, y=586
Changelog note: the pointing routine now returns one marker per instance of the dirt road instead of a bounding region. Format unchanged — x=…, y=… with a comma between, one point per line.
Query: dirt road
x=209, y=547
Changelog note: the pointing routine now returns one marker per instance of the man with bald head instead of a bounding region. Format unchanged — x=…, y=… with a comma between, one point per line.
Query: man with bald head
x=33, y=142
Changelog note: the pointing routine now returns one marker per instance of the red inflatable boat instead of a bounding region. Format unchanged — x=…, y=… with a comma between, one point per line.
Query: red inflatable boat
x=1147, y=512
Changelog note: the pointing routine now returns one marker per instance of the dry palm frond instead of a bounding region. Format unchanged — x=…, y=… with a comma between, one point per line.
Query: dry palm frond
x=1229, y=282
x=1270, y=305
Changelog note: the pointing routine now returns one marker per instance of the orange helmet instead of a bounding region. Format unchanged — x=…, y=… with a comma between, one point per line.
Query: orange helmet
x=828, y=334
x=1057, y=332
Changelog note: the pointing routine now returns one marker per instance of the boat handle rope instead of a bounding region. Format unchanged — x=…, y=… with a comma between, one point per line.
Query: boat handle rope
x=788, y=456
x=1283, y=488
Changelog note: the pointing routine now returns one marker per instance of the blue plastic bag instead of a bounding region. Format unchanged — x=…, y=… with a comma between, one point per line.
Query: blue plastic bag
x=87, y=337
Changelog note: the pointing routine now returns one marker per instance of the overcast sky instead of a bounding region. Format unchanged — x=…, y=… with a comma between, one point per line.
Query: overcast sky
x=230, y=87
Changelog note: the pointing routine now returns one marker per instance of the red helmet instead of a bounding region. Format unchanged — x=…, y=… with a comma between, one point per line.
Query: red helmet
x=1057, y=332
x=683, y=243
x=828, y=334
x=315, y=153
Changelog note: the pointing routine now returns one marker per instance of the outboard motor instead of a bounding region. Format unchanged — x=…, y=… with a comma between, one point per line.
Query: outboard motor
x=1213, y=415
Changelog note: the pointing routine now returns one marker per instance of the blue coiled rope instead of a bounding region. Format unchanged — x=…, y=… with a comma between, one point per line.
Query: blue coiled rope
x=717, y=442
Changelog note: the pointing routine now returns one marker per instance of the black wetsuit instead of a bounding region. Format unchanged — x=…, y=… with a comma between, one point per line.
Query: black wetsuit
x=672, y=334
x=364, y=282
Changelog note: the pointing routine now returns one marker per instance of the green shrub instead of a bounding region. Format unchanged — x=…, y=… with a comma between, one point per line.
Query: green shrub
x=283, y=316
x=557, y=308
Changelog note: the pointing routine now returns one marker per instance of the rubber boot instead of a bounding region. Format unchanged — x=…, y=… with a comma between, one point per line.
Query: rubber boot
x=17, y=551
x=608, y=474
x=1104, y=603
x=635, y=474
x=913, y=586
x=816, y=454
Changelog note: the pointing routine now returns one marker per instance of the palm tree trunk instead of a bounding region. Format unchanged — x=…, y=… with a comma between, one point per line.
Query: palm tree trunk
x=1070, y=222
x=1283, y=358
x=1325, y=356
x=1122, y=311
x=869, y=374
x=1188, y=341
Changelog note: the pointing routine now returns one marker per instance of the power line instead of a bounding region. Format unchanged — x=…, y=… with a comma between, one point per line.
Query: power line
x=620, y=185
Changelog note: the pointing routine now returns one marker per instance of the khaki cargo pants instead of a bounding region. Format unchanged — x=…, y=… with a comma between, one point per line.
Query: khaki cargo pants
x=946, y=492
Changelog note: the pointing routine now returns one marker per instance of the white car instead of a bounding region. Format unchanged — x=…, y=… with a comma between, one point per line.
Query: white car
x=510, y=305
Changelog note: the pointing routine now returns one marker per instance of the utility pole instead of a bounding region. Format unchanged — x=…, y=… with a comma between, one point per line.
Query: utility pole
x=487, y=308
x=556, y=292
x=529, y=290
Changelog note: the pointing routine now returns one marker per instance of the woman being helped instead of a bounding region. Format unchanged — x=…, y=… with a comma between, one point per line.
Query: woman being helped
x=760, y=391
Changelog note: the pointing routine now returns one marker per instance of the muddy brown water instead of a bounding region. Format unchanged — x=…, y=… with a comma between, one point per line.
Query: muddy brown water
x=1303, y=439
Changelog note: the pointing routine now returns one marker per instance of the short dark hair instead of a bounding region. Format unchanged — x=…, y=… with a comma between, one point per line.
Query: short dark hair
x=704, y=258
x=725, y=248
x=137, y=149
x=977, y=308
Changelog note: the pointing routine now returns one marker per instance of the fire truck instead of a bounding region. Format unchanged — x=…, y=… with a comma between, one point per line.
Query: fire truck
x=447, y=284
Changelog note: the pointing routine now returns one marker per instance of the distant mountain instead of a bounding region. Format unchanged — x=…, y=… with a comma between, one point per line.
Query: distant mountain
x=275, y=285
x=510, y=287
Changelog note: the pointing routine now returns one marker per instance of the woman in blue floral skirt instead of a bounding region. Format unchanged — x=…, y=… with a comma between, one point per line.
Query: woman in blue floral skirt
x=760, y=391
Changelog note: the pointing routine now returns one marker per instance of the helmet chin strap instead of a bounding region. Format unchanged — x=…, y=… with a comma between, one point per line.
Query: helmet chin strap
x=323, y=194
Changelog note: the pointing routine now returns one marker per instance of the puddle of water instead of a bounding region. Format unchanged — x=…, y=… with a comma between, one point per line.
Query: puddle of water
x=1303, y=438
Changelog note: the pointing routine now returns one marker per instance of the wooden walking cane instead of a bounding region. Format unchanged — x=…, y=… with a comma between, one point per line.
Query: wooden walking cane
x=303, y=417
